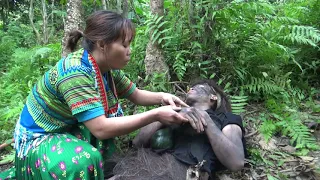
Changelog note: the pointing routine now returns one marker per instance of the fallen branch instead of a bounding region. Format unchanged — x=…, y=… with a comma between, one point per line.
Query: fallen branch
x=251, y=134
x=176, y=85
x=5, y=162
x=251, y=112
x=6, y=143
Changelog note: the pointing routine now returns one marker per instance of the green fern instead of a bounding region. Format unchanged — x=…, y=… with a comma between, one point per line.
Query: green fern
x=299, y=133
x=238, y=103
x=179, y=65
x=268, y=129
x=266, y=86
x=155, y=26
x=303, y=35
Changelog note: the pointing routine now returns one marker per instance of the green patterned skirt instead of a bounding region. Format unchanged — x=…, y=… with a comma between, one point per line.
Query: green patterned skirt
x=78, y=155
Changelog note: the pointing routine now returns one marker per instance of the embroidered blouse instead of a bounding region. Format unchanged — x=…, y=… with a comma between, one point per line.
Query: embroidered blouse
x=71, y=92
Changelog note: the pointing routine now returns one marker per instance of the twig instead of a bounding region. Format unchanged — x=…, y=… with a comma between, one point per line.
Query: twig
x=7, y=143
x=5, y=162
x=251, y=112
x=293, y=170
x=251, y=134
x=178, y=82
x=292, y=160
x=179, y=88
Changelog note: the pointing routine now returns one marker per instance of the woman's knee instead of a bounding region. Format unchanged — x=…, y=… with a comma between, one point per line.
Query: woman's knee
x=72, y=157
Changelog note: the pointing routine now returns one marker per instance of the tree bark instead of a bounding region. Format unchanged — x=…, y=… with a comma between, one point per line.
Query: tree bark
x=45, y=22
x=31, y=22
x=154, y=60
x=119, y=6
x=73, y=22
x=104, y=5
x=125, y=8
x=3, y=17
x=6, y=22
x=52, y=9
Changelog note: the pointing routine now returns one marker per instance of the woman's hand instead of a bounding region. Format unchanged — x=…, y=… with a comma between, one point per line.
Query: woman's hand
x=169, y=115
x=169, y=99
x=197, y=118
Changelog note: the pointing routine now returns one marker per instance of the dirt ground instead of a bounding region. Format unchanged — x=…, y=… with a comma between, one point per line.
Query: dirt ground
x=268, y=160
x=278, y=155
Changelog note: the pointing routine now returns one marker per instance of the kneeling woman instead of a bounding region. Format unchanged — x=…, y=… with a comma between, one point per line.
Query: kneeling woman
x=73, y=112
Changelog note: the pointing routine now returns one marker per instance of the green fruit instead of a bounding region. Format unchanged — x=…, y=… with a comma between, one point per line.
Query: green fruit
x=162, y=139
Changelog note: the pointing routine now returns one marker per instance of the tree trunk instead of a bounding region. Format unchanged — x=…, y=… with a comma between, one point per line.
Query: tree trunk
x=45, y=23
x=191, y=16
x=6, y=15
x=119, y=6
x=104, y=5
x=3, y=17
x=125, y=8
x=72, y=23
x=52, y=9
x=31, y=22
x=154, y=60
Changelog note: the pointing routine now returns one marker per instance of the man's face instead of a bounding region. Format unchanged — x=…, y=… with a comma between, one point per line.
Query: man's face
x=199, y=93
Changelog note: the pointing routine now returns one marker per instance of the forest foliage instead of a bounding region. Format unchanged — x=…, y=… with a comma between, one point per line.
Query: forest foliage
x=259, y=51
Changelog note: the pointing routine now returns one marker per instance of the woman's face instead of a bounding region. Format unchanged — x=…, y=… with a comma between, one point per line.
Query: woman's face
x=118, y=54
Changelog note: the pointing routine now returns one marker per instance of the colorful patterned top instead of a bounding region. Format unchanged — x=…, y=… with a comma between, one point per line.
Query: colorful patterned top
x=72, y=91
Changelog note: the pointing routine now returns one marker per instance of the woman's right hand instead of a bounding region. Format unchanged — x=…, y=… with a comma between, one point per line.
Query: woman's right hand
x=169, y=115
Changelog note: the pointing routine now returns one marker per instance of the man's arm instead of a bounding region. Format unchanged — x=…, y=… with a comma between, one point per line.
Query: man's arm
x=145, y=134
x=226, y=144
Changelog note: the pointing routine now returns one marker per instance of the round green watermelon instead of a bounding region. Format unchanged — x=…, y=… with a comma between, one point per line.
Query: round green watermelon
x=162, y=139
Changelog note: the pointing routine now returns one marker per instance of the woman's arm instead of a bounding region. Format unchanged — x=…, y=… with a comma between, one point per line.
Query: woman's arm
x=104, y=128
x=147, y=98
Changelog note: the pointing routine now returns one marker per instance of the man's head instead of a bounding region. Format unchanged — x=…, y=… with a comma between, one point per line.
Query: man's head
x=208, y=93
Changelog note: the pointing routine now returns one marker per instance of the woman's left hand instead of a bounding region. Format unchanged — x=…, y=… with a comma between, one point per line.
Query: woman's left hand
x=169, y=99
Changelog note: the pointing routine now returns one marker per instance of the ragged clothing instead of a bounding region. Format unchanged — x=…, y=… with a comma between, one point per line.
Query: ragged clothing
x=191, y=149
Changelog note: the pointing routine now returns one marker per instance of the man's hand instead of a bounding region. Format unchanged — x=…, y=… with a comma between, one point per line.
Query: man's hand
x=169, y=99
x=197, y=118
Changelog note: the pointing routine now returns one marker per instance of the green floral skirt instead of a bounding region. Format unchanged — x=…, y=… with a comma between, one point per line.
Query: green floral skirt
x=78, y=155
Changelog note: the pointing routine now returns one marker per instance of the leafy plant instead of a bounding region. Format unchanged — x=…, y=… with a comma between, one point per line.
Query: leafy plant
x=156, y=27
x=287, y=121
x=238, y=103
x=8, y=158
x=268, y=129
x=298, y=132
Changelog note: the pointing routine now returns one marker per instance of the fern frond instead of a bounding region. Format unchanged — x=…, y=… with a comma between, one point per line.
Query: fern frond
x=299, y=133
x=179, y=65
x=284, y=19
x=303, y=35
x=266, y=86
x=238, y=103
x=156, y=25
x=268, y=129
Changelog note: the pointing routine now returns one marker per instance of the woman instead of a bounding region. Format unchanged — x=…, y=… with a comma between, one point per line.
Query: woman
x=73, y=112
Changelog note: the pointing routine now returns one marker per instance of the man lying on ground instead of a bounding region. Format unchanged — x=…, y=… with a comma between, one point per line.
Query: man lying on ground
x=212, y=142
